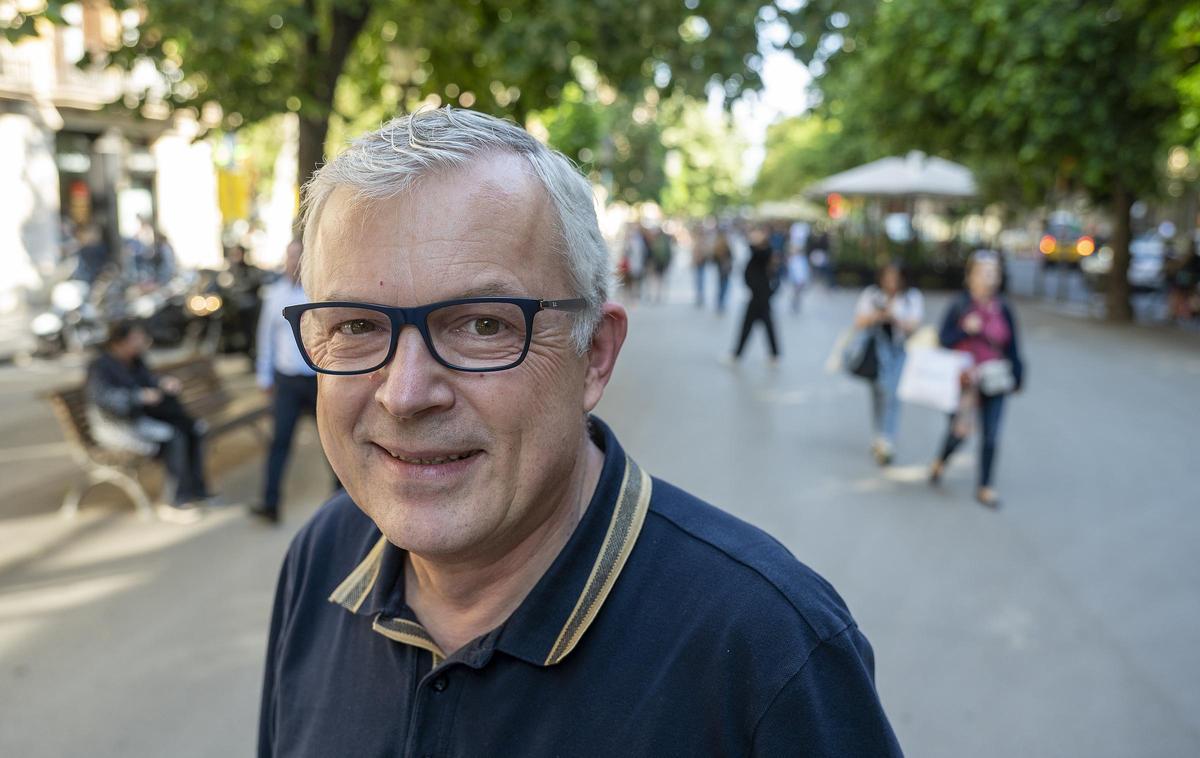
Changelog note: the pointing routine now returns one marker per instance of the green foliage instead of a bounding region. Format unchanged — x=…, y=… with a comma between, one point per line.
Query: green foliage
x=704, y=160
x=1073, y=95
x=380, y=57
x=804, y=149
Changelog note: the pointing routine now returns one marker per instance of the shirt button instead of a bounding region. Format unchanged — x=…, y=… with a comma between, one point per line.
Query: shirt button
x=440, y=683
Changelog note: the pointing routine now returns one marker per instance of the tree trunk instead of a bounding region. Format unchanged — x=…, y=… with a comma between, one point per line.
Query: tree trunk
x=1119, y=308
x=311, y=148
x=325, y=59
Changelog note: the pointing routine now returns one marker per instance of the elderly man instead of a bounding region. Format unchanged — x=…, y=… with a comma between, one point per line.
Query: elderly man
x=499, y=577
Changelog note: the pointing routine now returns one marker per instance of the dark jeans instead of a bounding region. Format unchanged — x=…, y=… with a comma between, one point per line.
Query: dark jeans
x=183, y=454
x=293, y=397
x=757, y=311
x=722, y=289
x=991, y=410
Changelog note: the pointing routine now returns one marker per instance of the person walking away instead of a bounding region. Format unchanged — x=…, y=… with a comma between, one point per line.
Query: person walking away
x=132, y=410
x=660, y=247
x=703, y=243
x=798, y=276
x=821, y=256
x=894, y=310
x=760, y=280
x=635, y=259
x=282, y=372
x=723, y=260
x=981, y=322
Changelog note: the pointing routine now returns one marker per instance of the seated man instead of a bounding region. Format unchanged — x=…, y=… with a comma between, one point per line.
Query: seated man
x=132, y=409
x=499, y=578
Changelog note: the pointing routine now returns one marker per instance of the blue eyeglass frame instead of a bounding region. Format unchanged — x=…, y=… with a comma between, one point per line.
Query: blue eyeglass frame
x=418, y=316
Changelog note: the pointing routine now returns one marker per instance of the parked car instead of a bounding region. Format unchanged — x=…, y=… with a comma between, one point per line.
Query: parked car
x=1063, y=243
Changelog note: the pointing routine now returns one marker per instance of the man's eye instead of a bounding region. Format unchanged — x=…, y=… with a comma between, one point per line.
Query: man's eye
x=357, y=326
x=484, y=327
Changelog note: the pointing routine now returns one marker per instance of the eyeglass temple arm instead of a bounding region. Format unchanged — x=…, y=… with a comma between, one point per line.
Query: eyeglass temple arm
x=573, y=304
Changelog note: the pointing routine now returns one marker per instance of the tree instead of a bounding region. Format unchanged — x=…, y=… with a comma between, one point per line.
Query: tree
x=509, y=57
x=803, y=149
x=1068, y=94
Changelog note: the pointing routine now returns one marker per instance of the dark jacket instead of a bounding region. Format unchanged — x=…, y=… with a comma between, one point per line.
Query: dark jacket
x=114, y=387
x=952, y=332
x=758, y=274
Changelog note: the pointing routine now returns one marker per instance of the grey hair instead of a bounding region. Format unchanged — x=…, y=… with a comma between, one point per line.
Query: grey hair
x=387, y=162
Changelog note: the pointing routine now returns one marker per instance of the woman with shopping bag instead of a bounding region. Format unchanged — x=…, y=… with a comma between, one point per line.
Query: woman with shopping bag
x=888, y=312
x=980, y=322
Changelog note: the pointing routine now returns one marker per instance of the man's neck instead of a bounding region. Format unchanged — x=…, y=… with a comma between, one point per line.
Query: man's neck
x=459, y=601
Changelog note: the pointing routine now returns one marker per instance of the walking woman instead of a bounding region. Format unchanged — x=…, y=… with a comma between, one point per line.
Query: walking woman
x=893, y=310
x=980, y=322
x=761, y=281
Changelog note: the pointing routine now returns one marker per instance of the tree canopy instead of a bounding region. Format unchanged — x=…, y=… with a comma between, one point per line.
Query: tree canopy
x=1034, y=94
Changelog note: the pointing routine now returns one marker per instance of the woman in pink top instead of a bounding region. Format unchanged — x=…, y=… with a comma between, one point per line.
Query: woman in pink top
x=980, y=322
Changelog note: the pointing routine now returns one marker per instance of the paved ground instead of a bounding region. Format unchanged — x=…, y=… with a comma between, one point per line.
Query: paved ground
x=1063, y=625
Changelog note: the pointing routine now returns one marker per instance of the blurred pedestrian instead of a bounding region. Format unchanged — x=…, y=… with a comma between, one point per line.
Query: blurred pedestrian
x=244, y=301
x=660, y=248
x=151, y=256
x=893, y=310
x=704, y=238
x=761, y=280
x=821, y=256
x=93, y=255
x=633, y=264
x=723, y=261
x=981, y=322
x=798, y=277
x=133, y=410
x=283, y=374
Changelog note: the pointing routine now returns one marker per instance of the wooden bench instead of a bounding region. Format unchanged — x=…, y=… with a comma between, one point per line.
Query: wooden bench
x=204, y=396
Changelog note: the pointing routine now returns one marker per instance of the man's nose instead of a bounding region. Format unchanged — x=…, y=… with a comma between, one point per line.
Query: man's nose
x=414, y=383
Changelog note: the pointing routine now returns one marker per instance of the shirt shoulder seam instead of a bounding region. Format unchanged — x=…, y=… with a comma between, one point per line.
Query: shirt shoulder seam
x=735, y=559
x=795, y=674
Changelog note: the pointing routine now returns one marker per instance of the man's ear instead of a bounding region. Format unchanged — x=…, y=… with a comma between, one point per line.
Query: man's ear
x=602, y=355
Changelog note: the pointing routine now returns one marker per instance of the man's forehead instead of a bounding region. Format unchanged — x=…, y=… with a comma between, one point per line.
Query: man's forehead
x=494, y=193
x=487, y=213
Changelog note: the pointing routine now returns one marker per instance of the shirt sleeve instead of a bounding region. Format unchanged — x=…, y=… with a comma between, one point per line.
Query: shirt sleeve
x=866, y=303
x=264, y=361
x=829, y=708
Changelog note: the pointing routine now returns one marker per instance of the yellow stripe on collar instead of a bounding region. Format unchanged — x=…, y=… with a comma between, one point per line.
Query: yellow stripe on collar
x=628, y=515
x=354, y=589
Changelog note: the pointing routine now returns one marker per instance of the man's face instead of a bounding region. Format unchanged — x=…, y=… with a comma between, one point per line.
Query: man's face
x=483, y=230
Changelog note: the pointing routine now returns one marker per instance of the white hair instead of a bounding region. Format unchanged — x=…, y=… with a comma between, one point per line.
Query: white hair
x=383, y=164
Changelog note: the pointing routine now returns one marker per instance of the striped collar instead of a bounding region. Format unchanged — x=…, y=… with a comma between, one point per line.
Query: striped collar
x=553, y=618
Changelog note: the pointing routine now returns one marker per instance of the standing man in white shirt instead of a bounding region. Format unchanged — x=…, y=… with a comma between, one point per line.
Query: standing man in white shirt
x=283, y=373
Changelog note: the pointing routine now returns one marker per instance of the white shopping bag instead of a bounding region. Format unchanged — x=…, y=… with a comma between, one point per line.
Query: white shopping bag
x=931, y=378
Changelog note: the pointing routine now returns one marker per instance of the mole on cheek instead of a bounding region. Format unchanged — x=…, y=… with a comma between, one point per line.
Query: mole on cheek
x=380, y=282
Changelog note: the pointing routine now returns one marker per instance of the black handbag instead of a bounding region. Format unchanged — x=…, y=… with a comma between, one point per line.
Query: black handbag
x=860, y=357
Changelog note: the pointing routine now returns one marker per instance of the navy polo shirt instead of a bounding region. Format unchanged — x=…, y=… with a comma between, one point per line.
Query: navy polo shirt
x=665, y=627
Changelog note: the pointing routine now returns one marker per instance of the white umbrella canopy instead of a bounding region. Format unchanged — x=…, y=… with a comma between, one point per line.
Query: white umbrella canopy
x=915, y=175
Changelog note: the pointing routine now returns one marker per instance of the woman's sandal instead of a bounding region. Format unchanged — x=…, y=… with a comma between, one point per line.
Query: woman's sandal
x=988, y=498
x=935, y=473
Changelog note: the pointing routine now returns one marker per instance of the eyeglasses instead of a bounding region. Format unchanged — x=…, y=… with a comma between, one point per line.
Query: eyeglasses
x=473, y=334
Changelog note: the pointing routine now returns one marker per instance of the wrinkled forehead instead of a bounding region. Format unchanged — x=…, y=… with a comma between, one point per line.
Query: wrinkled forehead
x=447, y=230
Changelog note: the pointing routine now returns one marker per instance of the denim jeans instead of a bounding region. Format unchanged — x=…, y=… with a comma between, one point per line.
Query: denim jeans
x=885, y=405
x=991, y=410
